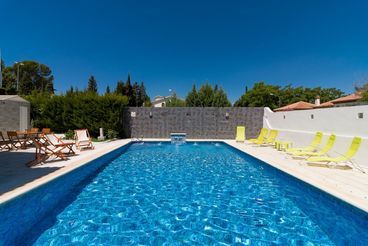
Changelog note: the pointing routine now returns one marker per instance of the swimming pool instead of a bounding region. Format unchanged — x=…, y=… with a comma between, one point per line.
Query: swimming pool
x=195, y=193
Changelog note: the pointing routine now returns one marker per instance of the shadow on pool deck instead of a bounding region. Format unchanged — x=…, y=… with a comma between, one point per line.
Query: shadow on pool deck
x=14, y=172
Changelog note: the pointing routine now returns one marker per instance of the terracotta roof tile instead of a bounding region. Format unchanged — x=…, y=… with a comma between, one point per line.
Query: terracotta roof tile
x=350, y=98
x=296, y=106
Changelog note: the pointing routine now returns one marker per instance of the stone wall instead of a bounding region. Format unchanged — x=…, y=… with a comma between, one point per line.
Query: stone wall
x=198, y=123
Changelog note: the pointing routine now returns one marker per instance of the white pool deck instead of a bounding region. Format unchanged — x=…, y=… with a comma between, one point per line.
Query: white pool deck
x=16, y=179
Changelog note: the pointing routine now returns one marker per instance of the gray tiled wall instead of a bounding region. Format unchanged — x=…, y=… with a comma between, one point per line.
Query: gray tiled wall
x=10, y=115
x=198, y=122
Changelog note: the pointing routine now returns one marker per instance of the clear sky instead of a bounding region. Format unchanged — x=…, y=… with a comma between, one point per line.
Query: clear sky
x=171, y=44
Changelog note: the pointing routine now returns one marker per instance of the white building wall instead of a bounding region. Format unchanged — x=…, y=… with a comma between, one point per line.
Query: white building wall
x=159, y=104
x=300, y=126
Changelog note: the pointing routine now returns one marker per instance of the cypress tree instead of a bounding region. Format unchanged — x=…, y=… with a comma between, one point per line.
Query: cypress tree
x=220, y=99
x=107, y=90
x=129, y=91
x=192, y=98
x=205, y=95
x=92, y=84
x=134, y=100
x=120, y=88
x=143, y=97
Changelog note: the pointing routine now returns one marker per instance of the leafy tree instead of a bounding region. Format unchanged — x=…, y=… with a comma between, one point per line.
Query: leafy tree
x=9, y=81
x=33, y=76
x=265, y=95
x=260, y=95
x=92, y=84
x=174, y=101
x=363, y=90
x=365, y=96
x=147, y=103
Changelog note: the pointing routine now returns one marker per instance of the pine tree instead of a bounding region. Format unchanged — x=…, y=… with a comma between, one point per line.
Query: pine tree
x=206, y=95
x=107, y=90
x=192, y=98
x=220, y=99
x=92, y=84
x=143, y=97
x=134, y=100
x=129, y=92
x=70, y=92
x=120, y=88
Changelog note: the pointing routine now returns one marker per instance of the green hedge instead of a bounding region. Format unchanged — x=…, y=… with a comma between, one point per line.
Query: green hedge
x=78, y=110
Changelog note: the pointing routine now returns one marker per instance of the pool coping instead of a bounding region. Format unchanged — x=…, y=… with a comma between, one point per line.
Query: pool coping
x=313, y=181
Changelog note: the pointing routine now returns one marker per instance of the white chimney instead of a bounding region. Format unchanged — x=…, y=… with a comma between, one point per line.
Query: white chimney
x=317, y=102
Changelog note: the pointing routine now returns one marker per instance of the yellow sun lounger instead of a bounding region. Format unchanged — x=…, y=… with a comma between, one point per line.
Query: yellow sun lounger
x=312, y=147
x=325, y=161
x=240, y=134
x=323, y=151
x=261, y=137
x=270, y=138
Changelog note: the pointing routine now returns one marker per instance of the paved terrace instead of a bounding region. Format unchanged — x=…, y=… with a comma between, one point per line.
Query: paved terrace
x=16, y=178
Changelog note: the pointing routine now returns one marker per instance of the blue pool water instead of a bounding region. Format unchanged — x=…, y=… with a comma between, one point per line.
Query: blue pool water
x=201, y=194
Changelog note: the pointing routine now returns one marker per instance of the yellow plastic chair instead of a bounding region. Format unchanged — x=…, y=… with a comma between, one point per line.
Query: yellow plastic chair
x=270, y=138
x=261, y=137
x=323, y=151
x=240, y=134
x=312, y=147
x=354, y=147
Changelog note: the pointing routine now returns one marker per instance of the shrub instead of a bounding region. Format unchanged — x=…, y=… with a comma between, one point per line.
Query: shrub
x=112, y=134
x=69, y=134
x=77, y=111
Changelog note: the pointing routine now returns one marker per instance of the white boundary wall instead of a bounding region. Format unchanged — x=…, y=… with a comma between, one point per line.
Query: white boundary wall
x=300, y=126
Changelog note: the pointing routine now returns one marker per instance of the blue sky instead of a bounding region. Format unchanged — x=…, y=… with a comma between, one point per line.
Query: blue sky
x=171, y=44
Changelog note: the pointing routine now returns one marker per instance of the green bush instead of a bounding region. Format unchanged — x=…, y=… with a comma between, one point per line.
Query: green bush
x=77, y=111
x=112, y=134
x=69, y=134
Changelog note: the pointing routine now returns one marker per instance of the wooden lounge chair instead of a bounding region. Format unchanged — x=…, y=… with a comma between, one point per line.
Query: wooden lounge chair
x=269, y=140
x=15, y=141
x=323, y=151
x=326, y=161
x=33, y=130
x=240, y=134
x=312, y=147
x=4, y=143
x=83, y=139
x=45, y=151
x=46, y=130
x=53, y=140
x=261, y=137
